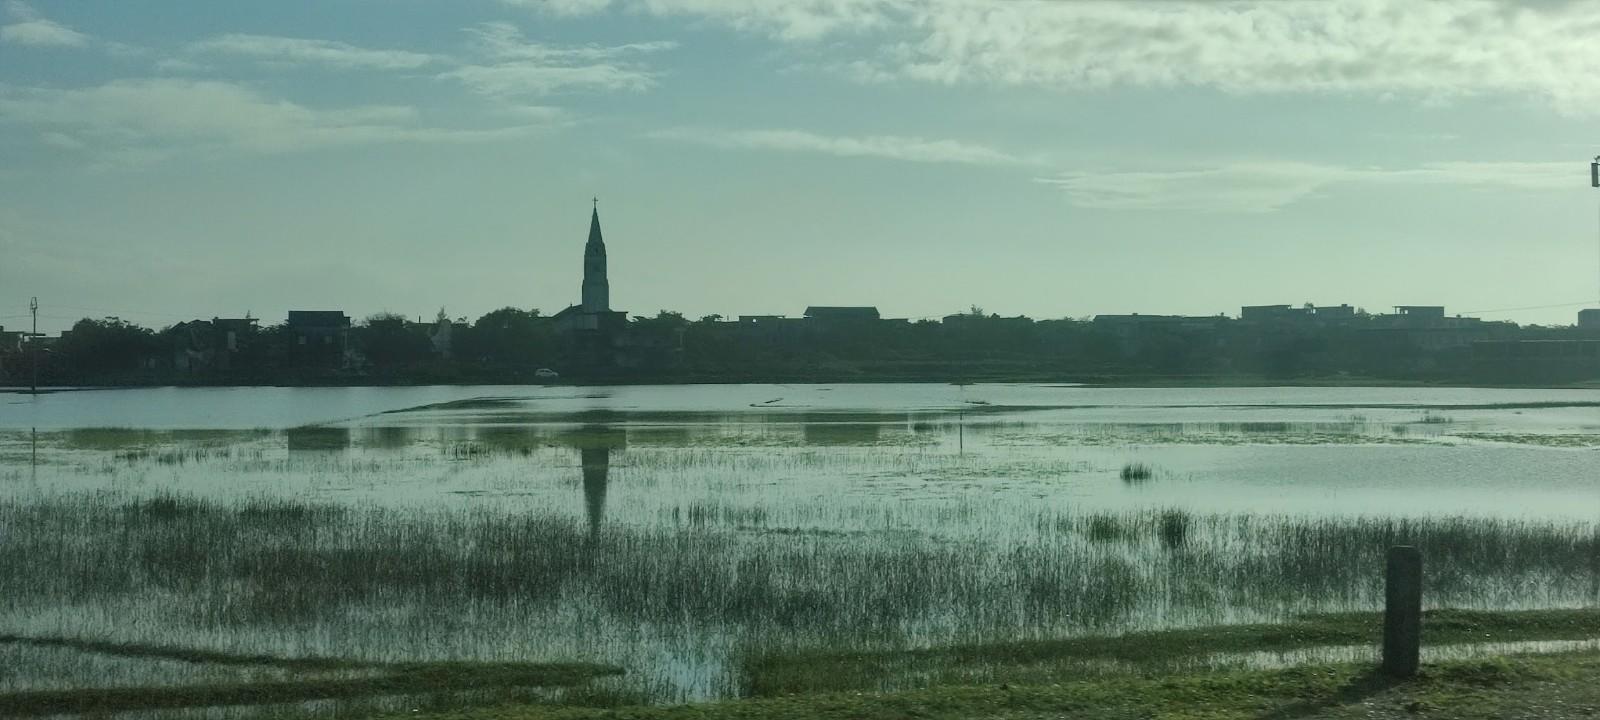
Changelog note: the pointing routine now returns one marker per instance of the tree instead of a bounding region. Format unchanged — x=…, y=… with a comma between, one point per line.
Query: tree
x=388, y=340
x=107, y=345
x=510, y=336
x=664, y=320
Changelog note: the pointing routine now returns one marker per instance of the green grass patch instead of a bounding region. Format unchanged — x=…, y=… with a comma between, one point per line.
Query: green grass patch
x=385, y=679
x=787, y=673
x=1466, y=689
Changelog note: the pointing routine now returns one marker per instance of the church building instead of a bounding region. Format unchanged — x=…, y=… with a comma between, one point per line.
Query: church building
x=593, y=322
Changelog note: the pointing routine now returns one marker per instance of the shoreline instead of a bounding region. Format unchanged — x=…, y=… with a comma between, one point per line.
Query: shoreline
x=1128, y=382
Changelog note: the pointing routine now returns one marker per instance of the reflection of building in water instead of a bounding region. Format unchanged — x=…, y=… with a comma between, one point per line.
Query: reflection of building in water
x=594, y=444
x=389, y=437
x=317, y=438
x=826, y=433
x=596, y=473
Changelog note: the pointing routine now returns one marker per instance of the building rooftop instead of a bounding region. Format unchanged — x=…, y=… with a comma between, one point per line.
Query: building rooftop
x=842, y=312
x=318, y=318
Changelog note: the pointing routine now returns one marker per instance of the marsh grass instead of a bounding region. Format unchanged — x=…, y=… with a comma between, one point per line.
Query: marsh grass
x=1550, y=440
x=124, y=438
x=1354, y=432
x=714, y=580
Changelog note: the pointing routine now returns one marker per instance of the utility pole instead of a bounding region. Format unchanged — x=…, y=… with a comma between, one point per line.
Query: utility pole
x=33, y=342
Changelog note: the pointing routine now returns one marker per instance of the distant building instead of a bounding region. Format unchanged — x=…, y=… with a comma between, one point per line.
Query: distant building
x=986, y=321
x=10, y=350
x=1420, y=312
x=201, y=345
x=1427, y=327
x=318, y=337
x=1536, y=361
x=1288, y=313
x=10, y=341
x=1334, y=312
x=1134, y=331
x=441, y=335
x=838, y=314
x=768, y=327
x=1589, y=319
x=234, y=331
x=1261, y=313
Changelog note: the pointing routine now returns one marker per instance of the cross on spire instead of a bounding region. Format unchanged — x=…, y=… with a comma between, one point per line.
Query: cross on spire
x=597, y=203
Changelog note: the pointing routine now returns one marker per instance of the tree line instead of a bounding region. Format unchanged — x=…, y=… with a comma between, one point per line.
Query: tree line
x=512, y=345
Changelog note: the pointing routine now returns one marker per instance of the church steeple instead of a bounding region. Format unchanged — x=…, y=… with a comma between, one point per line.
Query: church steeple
x=596, y=289
x=594, y=226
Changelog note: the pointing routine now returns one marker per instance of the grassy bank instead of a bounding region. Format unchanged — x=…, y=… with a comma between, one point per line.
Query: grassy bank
x=954, y=375
x=1554, y=686
x=1152, y=674
x=1144, y=653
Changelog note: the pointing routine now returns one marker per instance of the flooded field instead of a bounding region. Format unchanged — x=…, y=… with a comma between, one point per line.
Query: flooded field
x=680, y=533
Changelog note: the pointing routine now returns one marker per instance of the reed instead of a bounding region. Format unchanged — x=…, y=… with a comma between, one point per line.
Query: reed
x=715, y=581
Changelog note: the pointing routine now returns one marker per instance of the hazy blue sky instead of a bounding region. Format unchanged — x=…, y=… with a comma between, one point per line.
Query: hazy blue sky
x=191, y=158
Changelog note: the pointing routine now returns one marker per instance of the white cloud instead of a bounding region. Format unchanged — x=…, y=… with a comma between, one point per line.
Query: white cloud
x=1259, y=187
x=1433, y=49
x=1424, y=51
x=891, y=147
x=798, y=20
x=514, y=67
x=525, y=78
x=302, y=51
x=149, y=119
x=34, y=30
x=801, y=20
x=504, y=41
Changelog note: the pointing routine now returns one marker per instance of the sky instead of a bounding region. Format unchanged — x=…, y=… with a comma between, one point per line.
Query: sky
x=199, y=158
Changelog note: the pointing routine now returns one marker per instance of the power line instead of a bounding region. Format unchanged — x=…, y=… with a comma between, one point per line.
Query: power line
x=122, y=312
x=1530, y=307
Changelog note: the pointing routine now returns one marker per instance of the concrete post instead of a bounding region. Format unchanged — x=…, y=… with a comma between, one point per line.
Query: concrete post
x=1402, y=612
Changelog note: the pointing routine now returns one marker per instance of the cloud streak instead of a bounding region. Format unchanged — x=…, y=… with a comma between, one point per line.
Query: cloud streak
x=887, y=147
x=34, y=30
x=1262, y=187
x=301, y=51
x=140, y=120
x=512, y=67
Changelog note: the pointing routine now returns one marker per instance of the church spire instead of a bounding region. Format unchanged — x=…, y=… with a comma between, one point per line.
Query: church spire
x=596, y=289
x=594, y=225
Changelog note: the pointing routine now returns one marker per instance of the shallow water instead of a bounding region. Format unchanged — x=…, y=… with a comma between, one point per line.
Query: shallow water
x=873, y=515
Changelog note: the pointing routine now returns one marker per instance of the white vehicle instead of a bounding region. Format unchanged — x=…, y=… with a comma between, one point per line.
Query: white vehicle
x=546, y=374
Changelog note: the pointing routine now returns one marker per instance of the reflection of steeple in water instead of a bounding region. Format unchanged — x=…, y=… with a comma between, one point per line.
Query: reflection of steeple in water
x=596, y=472
x=594, y=444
